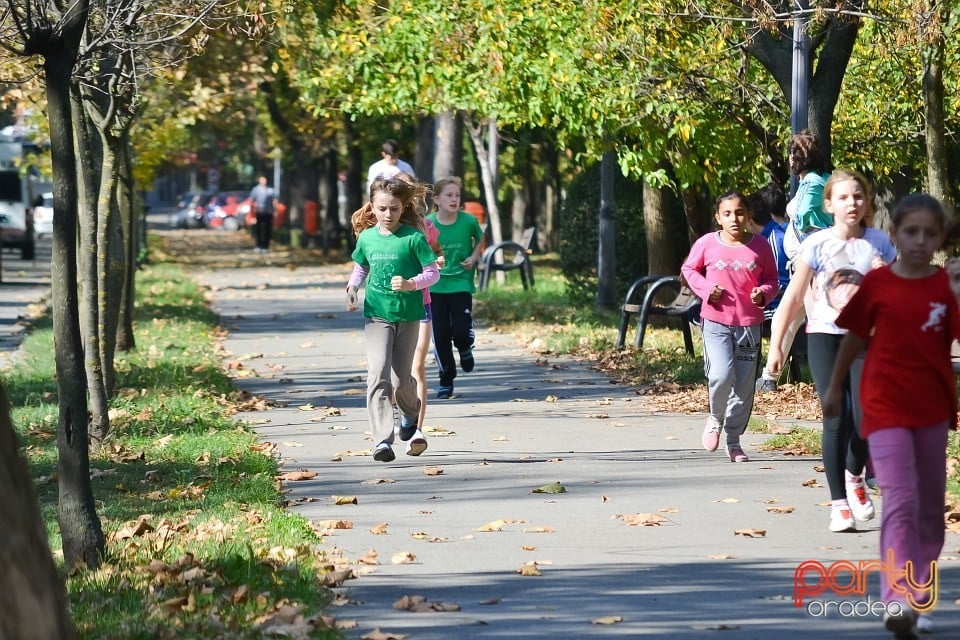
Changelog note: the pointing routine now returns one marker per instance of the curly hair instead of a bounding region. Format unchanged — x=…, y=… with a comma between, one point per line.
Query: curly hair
x=413, y=198
x=805, y=153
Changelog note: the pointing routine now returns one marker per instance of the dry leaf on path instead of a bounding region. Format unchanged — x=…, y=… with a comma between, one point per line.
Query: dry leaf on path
x=433, y=471
x=333, y=579
x=812, y=483
x=642, y=519
x=341, y=500
x=498, y=525
x=378, y=481
x=379, y=530
x=781, y=508
x=297, y=476
x=369, y=558
x=553, y=487
x=403, y=557
x=529, y=569
x=538, y=530
x=420, y=604
x=750, y=533
x=607, y=620
x=721, y=556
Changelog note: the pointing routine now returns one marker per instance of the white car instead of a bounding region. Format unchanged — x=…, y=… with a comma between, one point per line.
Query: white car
x=43, y=217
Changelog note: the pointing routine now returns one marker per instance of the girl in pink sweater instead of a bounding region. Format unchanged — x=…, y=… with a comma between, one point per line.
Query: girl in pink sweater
x=735, y=274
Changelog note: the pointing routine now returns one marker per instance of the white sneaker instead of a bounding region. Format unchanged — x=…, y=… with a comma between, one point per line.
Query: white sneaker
x=841, y=520
x=860, y=503
x=417, y=444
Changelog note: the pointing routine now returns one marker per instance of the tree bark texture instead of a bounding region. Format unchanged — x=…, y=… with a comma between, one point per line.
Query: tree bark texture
x=34, y=604
x=80, y=528
x=447, y=146
x=89, y=173
x=662, y=256
x=934, y=119
x=127, y=200
x=488, y=179
x=423, y=154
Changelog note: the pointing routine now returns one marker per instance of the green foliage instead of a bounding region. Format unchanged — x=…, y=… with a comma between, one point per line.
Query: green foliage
x=579, y=234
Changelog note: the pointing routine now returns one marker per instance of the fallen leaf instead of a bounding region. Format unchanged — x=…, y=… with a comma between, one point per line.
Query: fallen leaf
x=433, y=471
x=498, y=525
x=501, y=439
x=369, y=558
x=607, y=620
x=527, y=547
x=529, y=570
x=379, y=530
x=403, y=557
x=490, y=601
x=420, y=604
x=296, y=476
x=668, y=510
x=721, y=556
x=781, y=509
x=551, y=398
x=729, y=500
x=812, y=483
x=538, y=530
x=336, y=578
x=751, y=533
x=438, y=431
x=378, y=481
x=553, y=487
x=293, y=444
x=341, y=500
x=642, y=519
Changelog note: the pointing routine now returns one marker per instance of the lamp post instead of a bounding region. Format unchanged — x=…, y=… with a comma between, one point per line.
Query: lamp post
x=799, y=76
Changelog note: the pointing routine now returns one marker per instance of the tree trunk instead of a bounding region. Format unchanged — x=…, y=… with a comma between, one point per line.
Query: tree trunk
x=607, y=235
x=35, y=602
x=423, y=157
x=127, y=201
x=355, y=176
x=328, y=195
x=80, y=528
x=932, y=51
x=518, y=211
x=447, y=146
x=487, y=177
x=699, y=214
x=662, y=257
x=89, y=174
x=546, y=228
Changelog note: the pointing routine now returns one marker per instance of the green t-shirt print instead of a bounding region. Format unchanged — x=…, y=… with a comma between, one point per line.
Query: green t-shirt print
x=457, y=241
x=402, y=253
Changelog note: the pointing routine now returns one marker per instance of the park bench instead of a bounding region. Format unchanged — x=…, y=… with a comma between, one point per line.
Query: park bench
x=659, y=295
x=507, y=256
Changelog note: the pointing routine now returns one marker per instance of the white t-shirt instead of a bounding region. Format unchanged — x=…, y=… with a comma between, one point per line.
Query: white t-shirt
x=384, y=169
x=839, y=267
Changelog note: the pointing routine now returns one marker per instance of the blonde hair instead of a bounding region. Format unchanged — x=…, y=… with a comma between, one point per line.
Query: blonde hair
x=442, y=184
x=842, y=175
x=413, y=199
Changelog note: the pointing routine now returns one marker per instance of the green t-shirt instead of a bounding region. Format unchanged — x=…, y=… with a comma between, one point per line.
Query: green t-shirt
x=402, y=253
x=457, y=240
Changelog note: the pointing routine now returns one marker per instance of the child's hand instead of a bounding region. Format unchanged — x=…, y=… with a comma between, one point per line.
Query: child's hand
x=399, y=283
x=756, y=296
x=953, y=270
x=877, y=262
x=831, y=403
x=716, y=293
x=469, y=262
x=351, y=298
x=774, y=360
x=441, y=262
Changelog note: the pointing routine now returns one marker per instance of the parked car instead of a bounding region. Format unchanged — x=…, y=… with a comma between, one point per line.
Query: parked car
x=16, y=214
x=192, y=211
x=43, y=216
x=228, y=210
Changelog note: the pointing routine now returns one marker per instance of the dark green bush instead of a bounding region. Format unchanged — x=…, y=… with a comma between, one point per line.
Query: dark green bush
x=579, y=234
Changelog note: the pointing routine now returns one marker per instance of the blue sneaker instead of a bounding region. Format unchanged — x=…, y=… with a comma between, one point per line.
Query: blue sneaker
x=383, y=452
x=408, y=428
x=466, y=360
x=444, y=393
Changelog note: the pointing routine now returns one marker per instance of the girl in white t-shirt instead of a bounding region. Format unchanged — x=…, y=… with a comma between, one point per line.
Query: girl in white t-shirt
x=832, y=263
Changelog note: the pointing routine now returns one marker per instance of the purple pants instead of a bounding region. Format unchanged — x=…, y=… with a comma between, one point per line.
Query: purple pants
x=911, y=468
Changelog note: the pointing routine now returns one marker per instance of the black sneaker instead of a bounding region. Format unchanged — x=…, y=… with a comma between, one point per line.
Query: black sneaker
x=444, y=393
x=466, y=360
x=408, y=428
x=383, y=452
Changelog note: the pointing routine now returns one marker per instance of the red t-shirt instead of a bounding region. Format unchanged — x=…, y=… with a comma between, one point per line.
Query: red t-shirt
x=908, y=379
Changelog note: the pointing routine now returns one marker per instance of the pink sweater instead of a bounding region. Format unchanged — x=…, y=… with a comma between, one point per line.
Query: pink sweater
x=738, y=269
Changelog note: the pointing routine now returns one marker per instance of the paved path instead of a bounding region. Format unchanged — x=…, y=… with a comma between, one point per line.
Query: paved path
x=24, y=283
x=517, y=423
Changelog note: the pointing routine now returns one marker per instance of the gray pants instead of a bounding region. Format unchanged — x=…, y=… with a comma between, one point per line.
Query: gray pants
x=730, y=363
x=390, y=348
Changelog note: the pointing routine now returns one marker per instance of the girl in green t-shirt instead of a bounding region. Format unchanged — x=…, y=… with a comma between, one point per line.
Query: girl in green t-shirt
x=392, y=254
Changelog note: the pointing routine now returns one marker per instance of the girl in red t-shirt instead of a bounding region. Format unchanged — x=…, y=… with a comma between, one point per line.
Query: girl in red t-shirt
x=906, y=314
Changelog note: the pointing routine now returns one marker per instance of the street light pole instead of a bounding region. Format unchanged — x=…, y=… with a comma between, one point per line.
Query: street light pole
x=799, y=76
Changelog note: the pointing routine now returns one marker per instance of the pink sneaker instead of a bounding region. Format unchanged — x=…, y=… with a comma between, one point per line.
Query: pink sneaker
x=711, y=434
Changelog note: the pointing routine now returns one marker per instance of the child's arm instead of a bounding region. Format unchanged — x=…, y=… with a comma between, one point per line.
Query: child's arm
x=790, y=304
x=692, y=272
x=356, y=279
x=429, y=276
x=769, y=281
x=850, y=348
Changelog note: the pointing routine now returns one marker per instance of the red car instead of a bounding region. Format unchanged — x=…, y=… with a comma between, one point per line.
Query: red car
x=228, y=210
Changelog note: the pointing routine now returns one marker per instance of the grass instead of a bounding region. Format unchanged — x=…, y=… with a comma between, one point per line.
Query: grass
x=215, y=554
